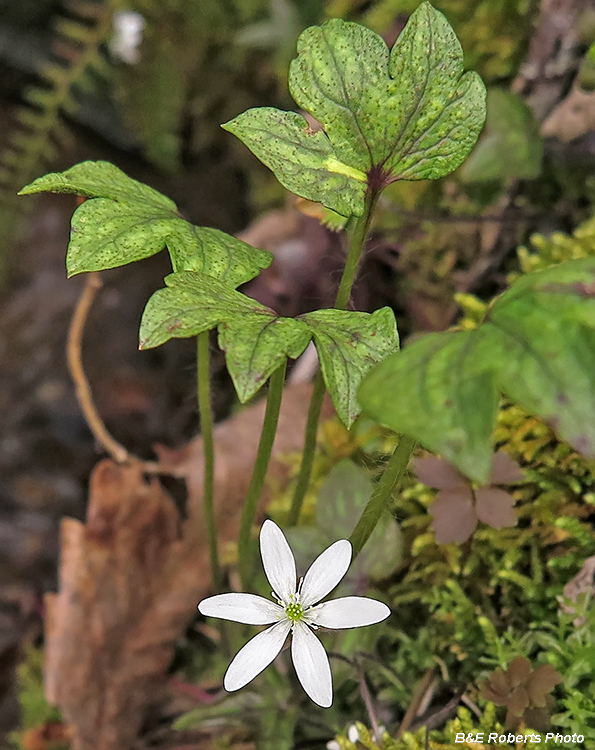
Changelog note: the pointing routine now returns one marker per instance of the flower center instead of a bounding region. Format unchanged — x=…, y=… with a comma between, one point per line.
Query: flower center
x=294, y=611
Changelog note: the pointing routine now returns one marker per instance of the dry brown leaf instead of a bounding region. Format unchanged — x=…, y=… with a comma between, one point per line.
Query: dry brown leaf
x=573, y=117
x=131, y=577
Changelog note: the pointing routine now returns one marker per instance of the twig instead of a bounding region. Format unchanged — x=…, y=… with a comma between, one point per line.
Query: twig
x=438, y=717
x=84, y=396
x=418, y=695
x=75, y=364
x=369, y=703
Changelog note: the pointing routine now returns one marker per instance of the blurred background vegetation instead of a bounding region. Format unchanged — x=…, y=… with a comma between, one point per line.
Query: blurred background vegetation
x=146, y=84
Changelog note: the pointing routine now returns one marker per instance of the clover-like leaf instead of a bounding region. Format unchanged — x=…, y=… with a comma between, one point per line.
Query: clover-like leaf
x=126, y=221
x=349, y=344
x=454, y=515
x=524, y=692
x=495, y=507
x=407, y=114
x=255, y=339
x=537, y=345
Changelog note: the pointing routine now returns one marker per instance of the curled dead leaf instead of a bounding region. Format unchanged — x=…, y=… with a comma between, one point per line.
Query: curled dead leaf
x=131, y=576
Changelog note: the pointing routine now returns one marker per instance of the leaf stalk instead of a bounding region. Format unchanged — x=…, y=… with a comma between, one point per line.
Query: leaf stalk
x=205, y=411
x=381, y=496
x=356, y=246
x=265, y=446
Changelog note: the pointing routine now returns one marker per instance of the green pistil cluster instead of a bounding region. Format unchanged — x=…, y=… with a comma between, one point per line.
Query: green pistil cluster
x=294, y=611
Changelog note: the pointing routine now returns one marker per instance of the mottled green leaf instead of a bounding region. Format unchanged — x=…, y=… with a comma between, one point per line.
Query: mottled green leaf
x=537, y=345
x=255, y=346
x=440, y=110
x=435, y=391
x=302, y=159
x=255, y=339
x=407, y=114
x=125, y=221
x=349, y=344
x=99, y=179
x=511, y=146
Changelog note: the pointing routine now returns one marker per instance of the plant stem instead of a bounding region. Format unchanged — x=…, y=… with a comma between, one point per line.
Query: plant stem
x=309, y=449
x=206, y=426
x=380, y=499
x=265, y=446
x=356, y=246
x=83, y=389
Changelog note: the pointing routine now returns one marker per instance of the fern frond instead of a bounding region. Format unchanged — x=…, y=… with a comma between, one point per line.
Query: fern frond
x=80, y=33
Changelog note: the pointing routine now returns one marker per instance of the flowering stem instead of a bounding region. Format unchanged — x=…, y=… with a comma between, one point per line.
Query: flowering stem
x=265, y=446
x=206, y=426
x=381, y=496
x=356, y=246
x=309, y=449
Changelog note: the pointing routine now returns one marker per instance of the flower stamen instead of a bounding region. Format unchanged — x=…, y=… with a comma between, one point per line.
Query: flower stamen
x=294, y=611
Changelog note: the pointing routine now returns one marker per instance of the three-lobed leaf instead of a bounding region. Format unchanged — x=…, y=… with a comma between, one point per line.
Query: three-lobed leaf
x=256, y=340
x=411, y=113
x=349, y=345
x=537, y=345
x=125, y=221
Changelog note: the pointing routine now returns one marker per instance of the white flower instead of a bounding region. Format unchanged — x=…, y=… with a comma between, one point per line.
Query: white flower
x=297, y=610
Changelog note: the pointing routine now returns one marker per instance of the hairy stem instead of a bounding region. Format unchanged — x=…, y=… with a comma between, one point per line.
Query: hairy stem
x=265, y=446
x=356, y=246
x=380, y=500
x=203, y=359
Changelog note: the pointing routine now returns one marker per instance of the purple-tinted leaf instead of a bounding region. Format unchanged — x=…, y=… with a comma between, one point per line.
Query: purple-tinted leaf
x=454, y=515
x=505, y=470
x=438, y=473
x=495, y=507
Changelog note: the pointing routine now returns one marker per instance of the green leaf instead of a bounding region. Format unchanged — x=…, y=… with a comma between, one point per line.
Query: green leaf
x=341, y=501
x=302, y=160
x=512, y=130
x=408, y=114
x=255, y=346
x=537, y=345
x=254, y=338
x=349, y=344
x=440, y=109
x=99, y=179
x=126, y=221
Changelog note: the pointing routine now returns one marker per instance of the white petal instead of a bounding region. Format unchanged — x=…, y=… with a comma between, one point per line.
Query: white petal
x=325, y=572
x=256, y=655
x=311, y=665
x=278, y=560
x=348, y=612
x=247, y=608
